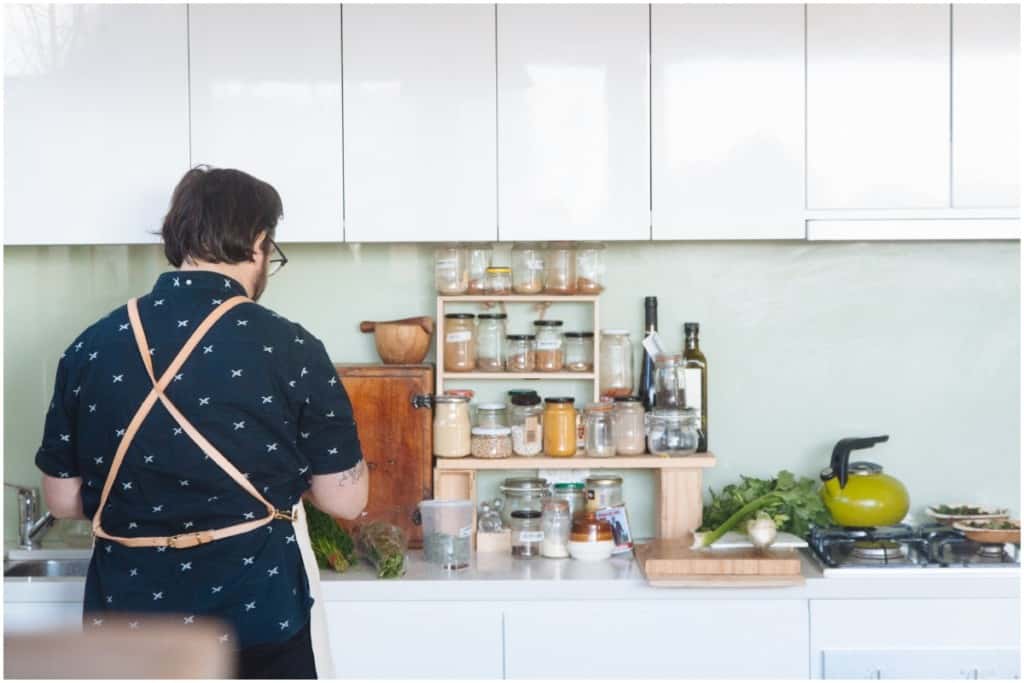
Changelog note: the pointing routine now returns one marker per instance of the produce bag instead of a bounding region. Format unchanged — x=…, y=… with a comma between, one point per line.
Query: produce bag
x=384, y=545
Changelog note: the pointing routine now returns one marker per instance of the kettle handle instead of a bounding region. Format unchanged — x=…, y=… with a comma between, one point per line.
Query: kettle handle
x=840, y=465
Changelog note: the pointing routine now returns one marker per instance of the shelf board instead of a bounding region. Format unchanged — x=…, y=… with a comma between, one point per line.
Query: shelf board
x=521, y=298
x=619, y=462
x=582, y=376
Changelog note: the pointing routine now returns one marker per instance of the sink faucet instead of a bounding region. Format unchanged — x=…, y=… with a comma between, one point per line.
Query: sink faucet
x=30, y=527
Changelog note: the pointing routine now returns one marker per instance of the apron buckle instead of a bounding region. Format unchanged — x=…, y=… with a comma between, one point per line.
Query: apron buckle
x=282, y=514
x=189, y=540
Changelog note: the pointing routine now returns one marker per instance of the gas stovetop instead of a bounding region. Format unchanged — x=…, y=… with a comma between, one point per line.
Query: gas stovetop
x=932, y=546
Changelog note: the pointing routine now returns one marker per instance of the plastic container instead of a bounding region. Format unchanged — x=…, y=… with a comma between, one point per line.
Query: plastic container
x=447, y=532
x=451, y=427
x=527, y=268
x=559, y=426
x=616, y=363
x=450, y=274
x=490, y=342
x=459, y=342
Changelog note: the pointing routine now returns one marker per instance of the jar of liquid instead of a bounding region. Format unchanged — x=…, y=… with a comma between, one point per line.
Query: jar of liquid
x=589, y=268
x=520, y=352
x=669, y=382
x=550, y=352
x=478, y=260
x=499, y=280
x=451, y=427
x=560, y=426
x=450, y=274
x=556, y=523
x=597, y=431
x=527, y=533
x=560, y=269
x=527, y=268
x=490, y=342
x=603, y=492
x=629, y=427
x=459, y=342
x=579, y=351
x=616, y=363
x=491, y=415
x=526, y=417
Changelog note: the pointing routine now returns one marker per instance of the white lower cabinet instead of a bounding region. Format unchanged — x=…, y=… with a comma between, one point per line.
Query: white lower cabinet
x=22, y=617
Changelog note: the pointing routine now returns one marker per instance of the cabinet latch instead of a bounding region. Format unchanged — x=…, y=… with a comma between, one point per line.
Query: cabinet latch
x=422, y=400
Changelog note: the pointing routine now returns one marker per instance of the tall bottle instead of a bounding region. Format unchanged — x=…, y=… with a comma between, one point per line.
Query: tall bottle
x=647, y=368
x=695, y=370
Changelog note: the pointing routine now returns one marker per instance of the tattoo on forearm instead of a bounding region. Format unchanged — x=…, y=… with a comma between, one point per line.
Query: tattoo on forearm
x=353, y=475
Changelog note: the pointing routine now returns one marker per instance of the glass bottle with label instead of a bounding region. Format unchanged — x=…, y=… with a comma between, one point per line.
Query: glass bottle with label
x=695, y=370
x=647, y=364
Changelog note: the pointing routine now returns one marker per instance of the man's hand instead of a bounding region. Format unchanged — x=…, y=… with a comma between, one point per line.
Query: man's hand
x=342, y=494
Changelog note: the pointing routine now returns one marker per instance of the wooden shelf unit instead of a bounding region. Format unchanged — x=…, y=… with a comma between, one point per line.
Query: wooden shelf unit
x=546, y=462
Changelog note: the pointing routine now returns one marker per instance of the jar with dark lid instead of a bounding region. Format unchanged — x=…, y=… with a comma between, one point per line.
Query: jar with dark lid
x=527, y=533
x=459, y=342
x=560, y=426
x=550, y=353
x=525, y=417
x=522, y=493
x=579, y=351
x=603, y=491
x=520, y=352
x=490, y=342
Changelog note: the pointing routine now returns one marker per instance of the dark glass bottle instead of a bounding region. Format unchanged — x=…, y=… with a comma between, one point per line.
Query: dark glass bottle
x=695, y=369
x=647, y=368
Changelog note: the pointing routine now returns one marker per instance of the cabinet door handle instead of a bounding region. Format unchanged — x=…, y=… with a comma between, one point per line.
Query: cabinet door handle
x=422, y=400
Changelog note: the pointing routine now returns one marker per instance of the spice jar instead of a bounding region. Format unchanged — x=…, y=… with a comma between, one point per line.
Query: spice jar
x=490, y=342
x=579, y=351
x=478, y=260
x=556, y=523
x=520, y=353
x=616, y=363
x=450, y=274
x=673, y=432
x=525, y=417
x=628, y=426
x=597, y=431
x=491, y=442
x=574, y=494
x=491, y=415
x=669, y=382
x=560, y=269
x=590, y=268
x=603, y=492
x=459, y=342
x=527, y=268
x=522, y=493
x=560, y=426
x=550, y=353
x=527, y=533
x=451, y=427
x=499, y=280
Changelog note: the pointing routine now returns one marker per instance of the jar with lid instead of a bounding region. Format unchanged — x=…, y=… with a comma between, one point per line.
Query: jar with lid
x=527, y=268
x=616, y=363
x=589, y=268
x=459, y=342
x=556, y=522
x=450, y=274
x=669, y=381
x=597, y=431
x=573, y=493
x=628, y=426
x=522, y=493
x=550, y=352
x=491, y=415
x=525, y=417
x=603, y=492
x=560, y=426
x=478, y=260
x=491, y=442
x=499, y=280
x=527, y=533
x=490, y=342
x=673, y=432
x=579, y=351
x=451, y=427
x=520, y=352
x=560, y=269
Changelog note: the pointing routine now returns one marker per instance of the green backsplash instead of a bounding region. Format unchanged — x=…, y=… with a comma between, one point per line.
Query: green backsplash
x=806, y=343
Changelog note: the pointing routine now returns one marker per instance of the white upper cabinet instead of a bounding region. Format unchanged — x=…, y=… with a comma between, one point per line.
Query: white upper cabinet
x=986, y=105
x=419, y=123
x=573, y=122
x=266, y=99
x=95, y=121
x=878, y=100
x=728, y=113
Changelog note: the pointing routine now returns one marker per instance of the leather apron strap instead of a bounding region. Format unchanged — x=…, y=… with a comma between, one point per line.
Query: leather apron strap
x=192, y=539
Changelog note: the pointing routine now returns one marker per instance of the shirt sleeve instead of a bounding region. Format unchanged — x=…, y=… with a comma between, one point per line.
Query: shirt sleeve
x=327, y=428
x=56, y=456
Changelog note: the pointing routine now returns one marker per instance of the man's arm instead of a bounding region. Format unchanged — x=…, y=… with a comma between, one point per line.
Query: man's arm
x=63, y=497
x=342, y=494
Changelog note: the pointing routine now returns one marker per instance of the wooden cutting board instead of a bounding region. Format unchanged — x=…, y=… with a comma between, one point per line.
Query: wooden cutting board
x=672, y=563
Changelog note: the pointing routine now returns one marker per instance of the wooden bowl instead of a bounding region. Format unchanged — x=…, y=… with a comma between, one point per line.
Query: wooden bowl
x=401, y=342
x=976, y=531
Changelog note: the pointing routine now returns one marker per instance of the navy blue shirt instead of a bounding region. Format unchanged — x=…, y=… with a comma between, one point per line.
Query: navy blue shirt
x=259, y=388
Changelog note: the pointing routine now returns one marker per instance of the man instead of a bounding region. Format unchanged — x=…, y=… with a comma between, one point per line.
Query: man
x=259, y=389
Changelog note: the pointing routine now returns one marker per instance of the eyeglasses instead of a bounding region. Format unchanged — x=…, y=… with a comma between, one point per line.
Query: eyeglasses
x=277, y=259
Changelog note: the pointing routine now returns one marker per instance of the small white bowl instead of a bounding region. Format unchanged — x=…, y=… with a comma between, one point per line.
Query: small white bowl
x=591, y=551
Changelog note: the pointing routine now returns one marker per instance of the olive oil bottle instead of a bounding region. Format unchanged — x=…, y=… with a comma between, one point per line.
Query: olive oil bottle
x=695, y=370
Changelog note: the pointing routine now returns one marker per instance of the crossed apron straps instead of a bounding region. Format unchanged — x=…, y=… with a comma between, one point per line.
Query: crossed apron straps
x=186, y=540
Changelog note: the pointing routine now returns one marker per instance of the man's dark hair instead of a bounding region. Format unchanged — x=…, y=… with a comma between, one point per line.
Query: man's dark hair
x=216, y=215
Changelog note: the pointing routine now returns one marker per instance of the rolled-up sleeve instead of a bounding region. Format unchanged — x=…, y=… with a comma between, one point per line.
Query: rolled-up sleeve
x=327, y=428
x=56, y=455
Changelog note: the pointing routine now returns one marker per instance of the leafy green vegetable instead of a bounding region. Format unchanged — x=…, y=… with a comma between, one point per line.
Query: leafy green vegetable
x=792, y=503
x=958, y=510
x=384, y=545
x=332, y=546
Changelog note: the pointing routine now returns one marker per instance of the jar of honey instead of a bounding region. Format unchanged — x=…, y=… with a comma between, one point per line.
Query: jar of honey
x=560, y=426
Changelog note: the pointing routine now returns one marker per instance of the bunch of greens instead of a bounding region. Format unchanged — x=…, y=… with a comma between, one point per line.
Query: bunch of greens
x=332, y=546
x=792, y=503
x=383, y=545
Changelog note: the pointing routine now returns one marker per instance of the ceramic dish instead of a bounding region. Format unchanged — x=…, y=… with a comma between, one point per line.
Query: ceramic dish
x=982, y=514
x=979, y=531
x=591, y=551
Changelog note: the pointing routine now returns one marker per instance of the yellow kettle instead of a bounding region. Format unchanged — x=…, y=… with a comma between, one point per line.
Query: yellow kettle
x=860, y=494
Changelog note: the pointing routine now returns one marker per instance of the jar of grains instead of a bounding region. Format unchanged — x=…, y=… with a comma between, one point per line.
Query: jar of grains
x=478, y=260
x=459, y=342
x=590, y=268
x=603, y=492
x=616, y=363
x=559, y=426
x=527, y=268
x=490, y=342
x=598, y=436
x=579, y=351
x=550, y=350
x=450, y=274
x=525, y=417
x=491, y=442
x=451, y=427
x=560, y=269
x=520, y=352
x=499, y=280
x=628, y=426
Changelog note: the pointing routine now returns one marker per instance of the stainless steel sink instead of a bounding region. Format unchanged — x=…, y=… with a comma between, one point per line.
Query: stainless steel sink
x=39, y=568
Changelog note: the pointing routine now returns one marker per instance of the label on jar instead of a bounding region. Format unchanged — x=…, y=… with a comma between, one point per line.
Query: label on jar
x=535, y=264
x=693, y=388
x=466, y=532
x=460, y=336
x=531, y=430
x=549, y=344
x=531, y=536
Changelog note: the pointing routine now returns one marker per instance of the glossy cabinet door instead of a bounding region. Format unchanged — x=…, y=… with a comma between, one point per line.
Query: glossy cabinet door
x=728, y=121
x=95, y=121
x=573, y=122
x=878, y=94
x=266, y=99
x=986, y=105
x=419, y=123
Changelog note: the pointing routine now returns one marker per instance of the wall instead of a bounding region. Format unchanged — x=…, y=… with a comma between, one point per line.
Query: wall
x=807, y=343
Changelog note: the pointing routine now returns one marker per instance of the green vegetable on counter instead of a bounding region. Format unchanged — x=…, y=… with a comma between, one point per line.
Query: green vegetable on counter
x=383, y=545
x=792, y=503
x=332, y=546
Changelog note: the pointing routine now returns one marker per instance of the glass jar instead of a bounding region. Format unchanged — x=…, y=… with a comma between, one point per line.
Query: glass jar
x=522, y=493
x=560, y=426
x=490, y=342
x=499, y=280
x=451, y=427
x=478, y=260
x=520, y=352
x=525, y=417
x=450, y=274
x=629, y=427
x=459, y=342
x=527, y=533
x=491, y=415
x=669, y=382
x=550, y=354
x=589, y=268
x=527, y=268
x=574, y=494
x=673, y=432
x=556, y=522
x=491, y=442
x=597, y=431
x=616, y=363
x=579, y=351
x=603, y=492
x=560, y=269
